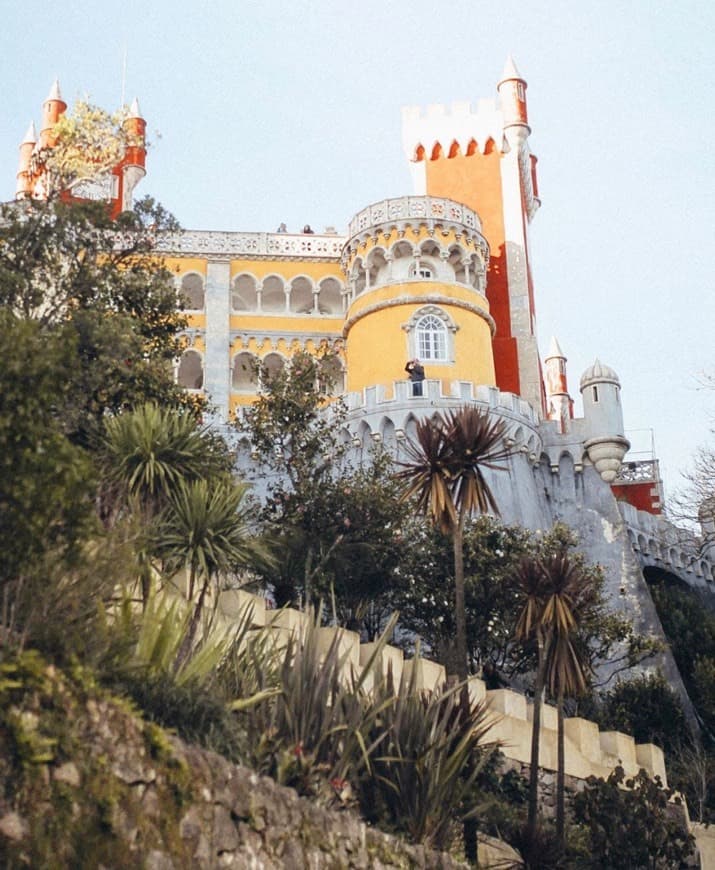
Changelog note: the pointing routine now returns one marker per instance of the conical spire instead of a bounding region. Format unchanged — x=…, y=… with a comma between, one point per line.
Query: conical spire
x=555, y=350
x=134, y=110
x=510, y=71
x=54, y=93
x=31, y=135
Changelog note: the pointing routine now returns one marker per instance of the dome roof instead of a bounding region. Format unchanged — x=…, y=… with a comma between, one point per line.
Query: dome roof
x=599, y=373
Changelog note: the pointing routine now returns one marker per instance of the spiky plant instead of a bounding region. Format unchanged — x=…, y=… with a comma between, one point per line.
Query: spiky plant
x=444, y=473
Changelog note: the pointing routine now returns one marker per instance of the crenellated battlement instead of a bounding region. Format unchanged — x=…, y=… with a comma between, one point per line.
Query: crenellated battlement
x=389, y=414
x=660, y=544
x=437, y=125
x=588, y=751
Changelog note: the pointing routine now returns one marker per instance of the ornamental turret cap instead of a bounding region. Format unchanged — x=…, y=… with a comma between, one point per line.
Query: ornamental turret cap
x=599, y=373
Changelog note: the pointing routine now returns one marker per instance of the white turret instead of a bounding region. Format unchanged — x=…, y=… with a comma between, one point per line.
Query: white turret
x=512, y=96
x=559, y=405
x=605, y=442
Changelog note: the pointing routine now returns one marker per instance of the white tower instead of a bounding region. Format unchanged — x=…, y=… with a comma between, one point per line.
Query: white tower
x=559, y=404
x=605, y=442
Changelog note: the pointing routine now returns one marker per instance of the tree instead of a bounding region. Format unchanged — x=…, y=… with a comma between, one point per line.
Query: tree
x=445, y=475
x=85, y=144
x=566, y=668
x=632, y=822
x=46, y=483
x=99, y=284
x=335, y=526
x=145, y=453
x=205, y=530
x=550, y=594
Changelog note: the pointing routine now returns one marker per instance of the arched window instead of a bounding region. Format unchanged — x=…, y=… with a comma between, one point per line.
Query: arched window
x=431, y=338
x=245, y=372
x=330, y=300
x=244, y=296
x=422, y=270
x=273, y=364
x=192, y=291
x=191, y=371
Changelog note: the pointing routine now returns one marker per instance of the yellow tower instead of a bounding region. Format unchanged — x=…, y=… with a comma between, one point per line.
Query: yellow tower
x=416, y=272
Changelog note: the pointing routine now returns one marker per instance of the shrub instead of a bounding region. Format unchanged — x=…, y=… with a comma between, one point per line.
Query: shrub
x=631, y=823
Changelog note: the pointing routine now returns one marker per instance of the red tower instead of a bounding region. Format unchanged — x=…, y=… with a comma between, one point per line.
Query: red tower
x=481, y=158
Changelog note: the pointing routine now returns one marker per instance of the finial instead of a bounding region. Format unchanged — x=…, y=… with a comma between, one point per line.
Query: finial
x=555, y=349
x=134, y=110
x=30, y=136
x=54, y=93
x=510, y=70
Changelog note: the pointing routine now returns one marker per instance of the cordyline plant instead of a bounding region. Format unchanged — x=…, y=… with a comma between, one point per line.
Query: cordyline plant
x=444, y=473
x=428, y=756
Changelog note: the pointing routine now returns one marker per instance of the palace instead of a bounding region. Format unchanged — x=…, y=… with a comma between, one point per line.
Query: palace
x=443, y=275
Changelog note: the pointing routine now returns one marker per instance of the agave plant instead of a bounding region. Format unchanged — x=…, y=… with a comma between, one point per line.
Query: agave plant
x=427, y=757
x=306, y=719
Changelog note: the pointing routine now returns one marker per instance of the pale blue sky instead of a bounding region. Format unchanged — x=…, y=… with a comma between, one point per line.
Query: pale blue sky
x=262, y=112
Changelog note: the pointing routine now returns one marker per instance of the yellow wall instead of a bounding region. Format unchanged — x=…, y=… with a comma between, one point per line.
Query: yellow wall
x=287, y=269
x=182, y=265
x=377, y=346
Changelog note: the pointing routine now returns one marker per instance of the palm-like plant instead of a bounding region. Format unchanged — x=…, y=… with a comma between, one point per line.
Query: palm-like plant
x=551, y=591
x=567, y=664
x=146, y=453
x=205, y=531
x=445, y=474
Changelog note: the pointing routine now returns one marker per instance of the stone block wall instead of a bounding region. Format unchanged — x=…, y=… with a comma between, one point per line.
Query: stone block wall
x=588, y=751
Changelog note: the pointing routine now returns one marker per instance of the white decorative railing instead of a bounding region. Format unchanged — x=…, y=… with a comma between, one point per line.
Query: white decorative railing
x=427, y=207
x=269, y=245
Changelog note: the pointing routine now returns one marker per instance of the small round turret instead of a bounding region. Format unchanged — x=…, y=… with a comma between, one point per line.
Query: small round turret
x=605, y=442
x=24, y=171
x=133, y=167
x=512, y=96
x=52, y=109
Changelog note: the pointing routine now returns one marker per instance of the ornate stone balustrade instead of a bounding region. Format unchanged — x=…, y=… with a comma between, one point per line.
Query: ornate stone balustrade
x=408, y=208
x=267, y=246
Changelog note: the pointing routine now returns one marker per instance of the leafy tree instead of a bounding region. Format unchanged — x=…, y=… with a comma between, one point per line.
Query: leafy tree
x=444, y=474
x=99, y=284
x=335, y=527
x=690, y=629
x=421, y=592
x=631, y=823
x=85, y=144
x=46, y=483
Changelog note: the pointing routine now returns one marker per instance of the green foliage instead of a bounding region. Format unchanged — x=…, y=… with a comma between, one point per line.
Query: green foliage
x=311, y=731
x=46, y=483
x=690, y=629
x=336, y=527
x=288, y=427
x=428, y=755
x=99, y=285
x=644, y=706
x=147, y=451
x=88, y=144
x=444, y=471
x=631, y=823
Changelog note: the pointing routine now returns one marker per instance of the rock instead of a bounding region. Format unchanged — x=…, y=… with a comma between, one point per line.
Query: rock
x=14, y=827
x=67, y=773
